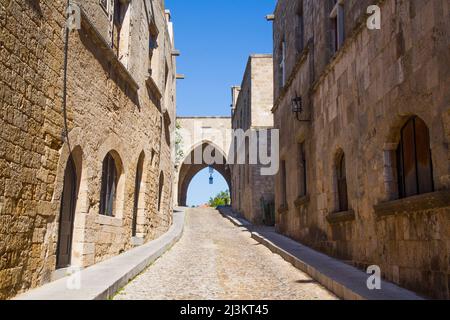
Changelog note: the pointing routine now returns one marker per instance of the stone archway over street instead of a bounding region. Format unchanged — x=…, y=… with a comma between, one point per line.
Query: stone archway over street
x=201, y=135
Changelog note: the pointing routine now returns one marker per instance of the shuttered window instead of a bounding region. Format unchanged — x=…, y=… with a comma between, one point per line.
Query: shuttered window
x=342, y=184
x=109, y=186
x=415, y=170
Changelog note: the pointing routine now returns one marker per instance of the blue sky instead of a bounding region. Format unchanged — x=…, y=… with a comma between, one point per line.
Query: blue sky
x=200, y=190
x=215, y=38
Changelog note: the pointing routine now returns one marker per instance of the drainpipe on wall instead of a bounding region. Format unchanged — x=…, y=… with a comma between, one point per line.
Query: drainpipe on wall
x=65, y=134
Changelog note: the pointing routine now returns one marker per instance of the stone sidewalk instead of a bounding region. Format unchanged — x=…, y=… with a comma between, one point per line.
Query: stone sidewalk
x=216, y=260
x=102, y=280
x=345, y=281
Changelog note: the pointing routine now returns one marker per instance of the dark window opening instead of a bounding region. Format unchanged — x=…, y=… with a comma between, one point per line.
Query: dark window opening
x=67, y=216
x=137, y=191
x=342, y=184
x=109, y=186
x=161, y=188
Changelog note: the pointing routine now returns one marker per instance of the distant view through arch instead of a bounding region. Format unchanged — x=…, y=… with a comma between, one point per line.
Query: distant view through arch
x=201, y=135
x=189, y=169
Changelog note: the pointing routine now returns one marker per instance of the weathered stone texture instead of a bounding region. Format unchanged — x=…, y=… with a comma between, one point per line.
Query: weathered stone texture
x=199, y=133
x=358, y=100
x=105, y=111
x=252, y=112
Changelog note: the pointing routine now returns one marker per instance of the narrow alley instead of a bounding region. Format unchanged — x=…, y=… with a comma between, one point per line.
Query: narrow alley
x=217, y=260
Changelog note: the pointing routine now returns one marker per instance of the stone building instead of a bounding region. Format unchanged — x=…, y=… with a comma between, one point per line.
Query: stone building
x=251, y=111
x=365, y=172
x=76, y=199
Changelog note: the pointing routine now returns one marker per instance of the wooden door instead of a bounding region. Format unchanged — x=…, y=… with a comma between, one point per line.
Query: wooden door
x=67, y=215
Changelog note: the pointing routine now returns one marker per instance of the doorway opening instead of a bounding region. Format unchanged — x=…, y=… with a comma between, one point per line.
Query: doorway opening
x=67, y=216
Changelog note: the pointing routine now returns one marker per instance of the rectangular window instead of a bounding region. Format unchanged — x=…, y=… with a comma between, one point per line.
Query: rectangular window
x=342, y=184
x=337, y=16
x=302, y=170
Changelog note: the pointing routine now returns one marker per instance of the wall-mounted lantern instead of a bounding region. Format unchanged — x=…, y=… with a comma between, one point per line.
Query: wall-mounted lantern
x=297, y=108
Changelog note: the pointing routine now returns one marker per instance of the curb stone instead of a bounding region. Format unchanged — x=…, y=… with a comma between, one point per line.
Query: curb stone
x=103, y=280
x=345, y=281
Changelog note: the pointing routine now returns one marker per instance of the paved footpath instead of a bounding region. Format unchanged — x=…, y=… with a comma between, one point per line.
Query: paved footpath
x=217, y=260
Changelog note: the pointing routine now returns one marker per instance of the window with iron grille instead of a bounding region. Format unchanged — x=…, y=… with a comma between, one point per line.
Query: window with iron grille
x=414, y=163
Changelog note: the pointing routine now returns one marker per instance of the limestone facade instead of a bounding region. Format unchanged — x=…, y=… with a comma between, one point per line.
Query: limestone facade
x=251, y=111
x=120, y=106
x=361, y=91
x=200, y=136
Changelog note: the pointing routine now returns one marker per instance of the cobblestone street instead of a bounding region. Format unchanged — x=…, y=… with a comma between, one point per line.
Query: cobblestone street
x=217, y=260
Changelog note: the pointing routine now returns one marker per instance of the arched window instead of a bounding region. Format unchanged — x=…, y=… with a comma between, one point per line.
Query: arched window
x=342, y=183
x=414, y=165
x=109, y=186
x=161, y=188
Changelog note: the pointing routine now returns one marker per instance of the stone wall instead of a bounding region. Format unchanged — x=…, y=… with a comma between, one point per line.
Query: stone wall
x=111, y=107
x=358, y=100
x=252, y=112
